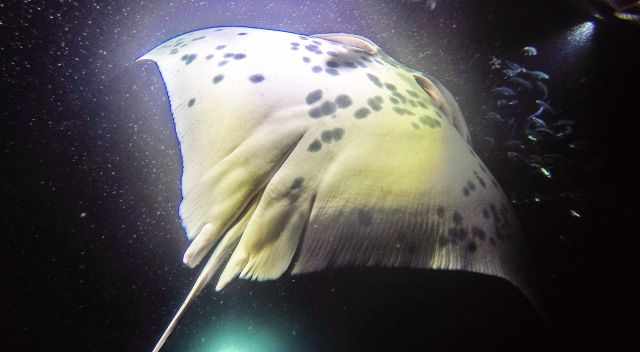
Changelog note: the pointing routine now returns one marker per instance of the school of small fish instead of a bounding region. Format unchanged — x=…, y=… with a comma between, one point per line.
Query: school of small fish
x=526, y=127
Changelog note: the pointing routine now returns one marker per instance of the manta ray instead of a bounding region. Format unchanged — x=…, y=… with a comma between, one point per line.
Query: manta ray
x=303, y=153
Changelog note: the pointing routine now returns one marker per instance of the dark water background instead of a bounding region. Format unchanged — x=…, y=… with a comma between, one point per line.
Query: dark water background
x=95, y=246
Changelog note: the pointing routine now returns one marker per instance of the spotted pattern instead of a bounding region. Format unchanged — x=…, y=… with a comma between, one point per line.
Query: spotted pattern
x=427, y=120
x=375, y=80
x=315, y=146
x=316, y=69
x=314, y=96
x=343, y=101
x=374, y=104
x=332, y=135
x=217, y=79
x=361, y=113
x=257, y=78
x=188, y=58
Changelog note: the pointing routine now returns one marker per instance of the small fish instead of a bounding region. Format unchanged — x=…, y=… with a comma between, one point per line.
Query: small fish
x=545, y=106
x=512, y=69
x=543, y=88
x=535, y=122
x=536, y=74
x=521, y=82
x=504, y=91
x=501, y=103
x=529, y=51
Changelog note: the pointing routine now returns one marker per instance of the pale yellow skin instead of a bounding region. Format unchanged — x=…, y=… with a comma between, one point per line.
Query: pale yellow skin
x=390, y=191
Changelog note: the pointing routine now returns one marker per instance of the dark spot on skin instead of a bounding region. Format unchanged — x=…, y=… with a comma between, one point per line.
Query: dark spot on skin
x=338, y=133
x=478, y=233
x=412, y=103
x=306, y=59
x=457, y=234
x=315, y=146
x=482, y=168
x=183, y=45
x=375, y=80
x=465, y=191
x=481, y=181
x=314, y=96
x=415, y=125
x=333, y=64
x=220, y=47
x=326, y=136
x=412, y=93
x=429, y=121
x=173, y=51
x=378, y=99
x=188, y=58
x=328, y=108
x=217, y=78
x=332, y=71
x=228, y=55
x=472, y=247
x=440, y=212
x=400, y=97
x=316, y=69
x=471, y=185
x=485, y=213
x=223, y=62
x=457, y=218
x=191, y=102
x=390, y=87
x=349, y=64
x=422, y=105
x=364, y=217
x=198, y=38
x=394, y=100
x=294, y=48
x=312, y=48
x=239, y=56
x=494, y=212
x=209, y=57
x=242, y=33
x=361, y=113
x=365, y=58
x=297, y=183
x=343, y=101
x=303, y=38
x=378, y=61
x=402, y=111
x=295, y=43
x=315, y=112
x=257, y=78
x=332, y=53
x=374, y=104
x=361, y=64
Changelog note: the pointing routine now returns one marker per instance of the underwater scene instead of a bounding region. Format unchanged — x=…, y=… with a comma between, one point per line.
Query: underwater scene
x=365, y=175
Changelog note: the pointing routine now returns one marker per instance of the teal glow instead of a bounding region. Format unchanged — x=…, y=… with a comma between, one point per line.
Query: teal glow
x=241, y=336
